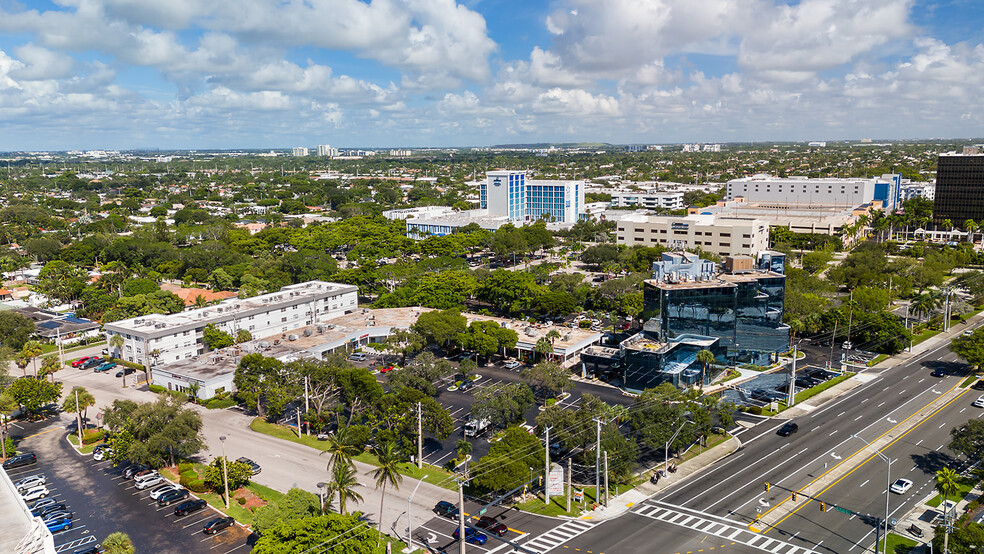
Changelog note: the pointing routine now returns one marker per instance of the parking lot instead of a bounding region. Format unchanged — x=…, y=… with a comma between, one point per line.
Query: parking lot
x=104, y=502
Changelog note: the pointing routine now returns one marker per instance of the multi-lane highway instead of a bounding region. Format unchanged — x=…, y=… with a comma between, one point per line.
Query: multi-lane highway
x=902, y=409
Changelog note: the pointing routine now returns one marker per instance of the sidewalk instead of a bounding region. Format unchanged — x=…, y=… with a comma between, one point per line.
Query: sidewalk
x=620, y=504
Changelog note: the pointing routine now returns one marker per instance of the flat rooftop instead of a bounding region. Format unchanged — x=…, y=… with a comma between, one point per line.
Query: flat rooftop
x=720, y=280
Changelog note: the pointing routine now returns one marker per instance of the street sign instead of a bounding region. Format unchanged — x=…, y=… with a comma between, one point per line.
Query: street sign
x=482, y=511
x=842, y=510
x=555, y=480
x=578, y=495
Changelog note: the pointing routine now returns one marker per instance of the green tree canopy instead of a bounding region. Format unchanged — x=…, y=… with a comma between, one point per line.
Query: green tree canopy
x=320, y=533
x=34, y=394
x=508, y=463
x=15, y=329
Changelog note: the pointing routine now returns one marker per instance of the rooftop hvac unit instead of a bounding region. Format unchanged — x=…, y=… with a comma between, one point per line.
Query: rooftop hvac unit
x=321, y=329
x=160, y=326
x=291, y=337
x=138, y=321
x=308, y=332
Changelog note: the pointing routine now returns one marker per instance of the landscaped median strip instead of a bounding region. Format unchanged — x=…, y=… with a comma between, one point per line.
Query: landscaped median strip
x=843, y=468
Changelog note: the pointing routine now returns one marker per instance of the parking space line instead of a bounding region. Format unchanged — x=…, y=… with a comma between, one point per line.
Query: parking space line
x=234, y=549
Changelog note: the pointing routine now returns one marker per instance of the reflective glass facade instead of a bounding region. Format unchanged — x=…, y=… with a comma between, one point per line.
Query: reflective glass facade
x=959, y=189
x=546, y=199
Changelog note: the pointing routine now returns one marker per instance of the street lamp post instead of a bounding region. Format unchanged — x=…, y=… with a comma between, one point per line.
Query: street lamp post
x=225, y=471
x=410, y=516
x=321, y=494
x=888, y=485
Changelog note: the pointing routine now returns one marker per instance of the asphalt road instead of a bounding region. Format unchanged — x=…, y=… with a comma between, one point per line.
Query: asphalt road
x=104, y=503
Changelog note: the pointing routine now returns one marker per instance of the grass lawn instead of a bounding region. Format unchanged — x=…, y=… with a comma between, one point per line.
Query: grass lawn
x=877, y=359
x=86, y=448
x=965, y=487
x=928, y=333
x=810, y=393
x=429, y=473
x=968, y=381
x=558, y=505
x=898, y=544
x=712, y=441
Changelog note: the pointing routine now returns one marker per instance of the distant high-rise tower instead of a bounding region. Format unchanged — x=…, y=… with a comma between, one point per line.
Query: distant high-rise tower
x=326, y=151
x=299, y=151
x=959, y=187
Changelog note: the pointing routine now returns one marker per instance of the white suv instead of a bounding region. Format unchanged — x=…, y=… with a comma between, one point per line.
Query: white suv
x=979, y=403
x=149, y=480
x=35, y=493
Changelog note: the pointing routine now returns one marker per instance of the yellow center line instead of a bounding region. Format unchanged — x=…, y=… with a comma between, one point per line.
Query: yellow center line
x=872, y=456
x=43, y=432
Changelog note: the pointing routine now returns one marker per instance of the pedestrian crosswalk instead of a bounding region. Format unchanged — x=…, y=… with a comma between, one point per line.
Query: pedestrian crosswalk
x=558, y=535
x=717, y=527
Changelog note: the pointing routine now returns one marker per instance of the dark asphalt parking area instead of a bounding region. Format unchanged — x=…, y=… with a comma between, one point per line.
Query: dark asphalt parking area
x=104, y=502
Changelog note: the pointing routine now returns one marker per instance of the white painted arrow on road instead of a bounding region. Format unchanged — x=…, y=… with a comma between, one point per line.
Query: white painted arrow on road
x=835, y=456
x=431, y=537
x=890, y=420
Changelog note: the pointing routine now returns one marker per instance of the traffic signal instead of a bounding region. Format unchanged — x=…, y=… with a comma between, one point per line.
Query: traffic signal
x=540, y=481
x=794, y=496
x=823, y=507
x=767, y=485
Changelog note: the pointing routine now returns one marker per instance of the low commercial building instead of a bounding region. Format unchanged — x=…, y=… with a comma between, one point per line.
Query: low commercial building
x=650, y=199
x=422, y=211
x=793, y=192
x=159, y=339
x=724, y=236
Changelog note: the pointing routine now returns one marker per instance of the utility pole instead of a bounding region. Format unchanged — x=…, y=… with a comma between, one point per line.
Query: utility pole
x=792, y=381
x=78, y=417
x=598, y=463
x=307, y=407
x=570, y=491
x=546, y=469
x=420, y=437
x=833, y=339
x=606, y=478
x=299, y=425
x=850, y=317
x=461, y=511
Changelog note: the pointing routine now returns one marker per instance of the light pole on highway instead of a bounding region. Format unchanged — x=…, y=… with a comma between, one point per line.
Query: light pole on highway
x=225, y=471
x=888, y=485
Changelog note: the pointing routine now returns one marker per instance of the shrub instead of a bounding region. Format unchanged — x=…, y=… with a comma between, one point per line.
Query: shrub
x=157, y=388
x=584, y=324
x=10, y=446
x=182, y=397
x=92, y=436
x=241, y=500
x=197, y=485
x=755, y=410
x=551, y=401
x=187, y=477
x=185, y=466
x=219, y=403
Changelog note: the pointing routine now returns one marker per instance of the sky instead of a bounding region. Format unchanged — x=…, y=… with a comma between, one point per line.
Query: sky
x=227, y=74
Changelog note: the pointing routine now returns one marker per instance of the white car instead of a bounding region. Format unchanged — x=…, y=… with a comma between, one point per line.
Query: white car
x=166, y=488
x=35, y=493
x=149, y=481
x=102, y=454
x=512, y=364
x=32, y=481
x=979, y=403
x=901, y=486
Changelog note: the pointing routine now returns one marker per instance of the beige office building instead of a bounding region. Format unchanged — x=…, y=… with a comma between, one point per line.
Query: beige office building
x=724, y=236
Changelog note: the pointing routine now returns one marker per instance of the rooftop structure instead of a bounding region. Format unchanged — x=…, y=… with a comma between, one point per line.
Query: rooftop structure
x=721, y=235
x=805, y=191
x=22, y=532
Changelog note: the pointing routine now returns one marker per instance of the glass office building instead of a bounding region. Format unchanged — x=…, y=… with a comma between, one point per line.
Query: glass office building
x=959, y=187
x=513, y=194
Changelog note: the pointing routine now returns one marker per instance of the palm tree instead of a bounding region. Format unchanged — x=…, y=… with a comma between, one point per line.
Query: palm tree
x=116, y=343
x=970, y=226
x=926, y=303
x=85, y=400
x=543, y=347
x=947, y=482
x=341, y=448
x=31, y=351
x=552, y=335
x=118, y=543
x=386, y=474
x=343, y=482
x=704, y=357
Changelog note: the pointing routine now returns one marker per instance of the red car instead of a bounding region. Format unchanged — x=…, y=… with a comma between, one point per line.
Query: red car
x=80, y=361
x=386, y=368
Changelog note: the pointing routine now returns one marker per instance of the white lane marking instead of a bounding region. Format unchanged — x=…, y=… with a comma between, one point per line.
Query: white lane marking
x=865, y=483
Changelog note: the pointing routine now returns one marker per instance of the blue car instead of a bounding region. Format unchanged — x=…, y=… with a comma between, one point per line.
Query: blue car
x=60, y=524
x=106, y=366
x=472, y=536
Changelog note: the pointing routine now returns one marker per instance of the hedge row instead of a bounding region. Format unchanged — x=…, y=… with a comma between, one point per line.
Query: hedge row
x=91, y=436
x=219, y=403
x=157, y=388
x=189, y=480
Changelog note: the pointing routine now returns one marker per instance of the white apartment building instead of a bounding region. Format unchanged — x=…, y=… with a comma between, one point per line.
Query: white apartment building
x=918, y=190
x=650, y=199
x=724, y=236
x=180, y=336
x=326, y=151
x=299, y=151
x=511, y=194
x=804, y=191
x=422, y=211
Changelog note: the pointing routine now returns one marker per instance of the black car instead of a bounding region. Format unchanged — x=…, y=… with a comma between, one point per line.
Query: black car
x=189, y=506
x=446, y=509
x=939, y=372
x=979, y=385
x=217, y=525
x=822, y=374
x=787, y=429
x=47, y=509
x=491, y=525
x=806, y=382
x=171, y=497
x=25, y=459
x=97, y=549
x=133, y=469
x=92, y=362
x=253, y=465
x=127, y=370
x=467, y=384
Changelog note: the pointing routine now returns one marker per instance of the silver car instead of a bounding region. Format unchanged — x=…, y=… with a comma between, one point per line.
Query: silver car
x=32, y=481
x=150, y=481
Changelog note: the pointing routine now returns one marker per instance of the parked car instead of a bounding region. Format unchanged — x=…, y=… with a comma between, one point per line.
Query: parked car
x=102, y=453
x=189, y=506
x=125, y=371
x=58, y=514
x=467, y=384
x=150, y=480
x=446, y=509
x=31, y=481
x=901, y=486
x=787, y=429
x=81, y=361
x=35, y=493
x=140, y=474
x=132, y=469
x=97, y=549
x=48, y=508
x=172, y=497
x=156, y=492
x=822, y=374
x=979, y=385
x=217, y=525
x=253, y=465
x=512, y=364
x=27, y=458
x=93, y=362
x=472, y=536
x=492, y=525
x=105, y=366
x=42, y=503
x=357, y=357
x=387, y=368
x=57, y=525
x=806, y=382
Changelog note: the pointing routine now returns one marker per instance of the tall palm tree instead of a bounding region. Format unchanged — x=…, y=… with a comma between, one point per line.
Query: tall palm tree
x=704, y=357
x=947, y=482
x=341, y=448
x=386, y=474
x=552, y=335
x=116, y=343
x=343, y=483
x=542, y=347
x=31, y=351
x=970, y=226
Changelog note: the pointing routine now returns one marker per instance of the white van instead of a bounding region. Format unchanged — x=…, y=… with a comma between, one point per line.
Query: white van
x=358, y=357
